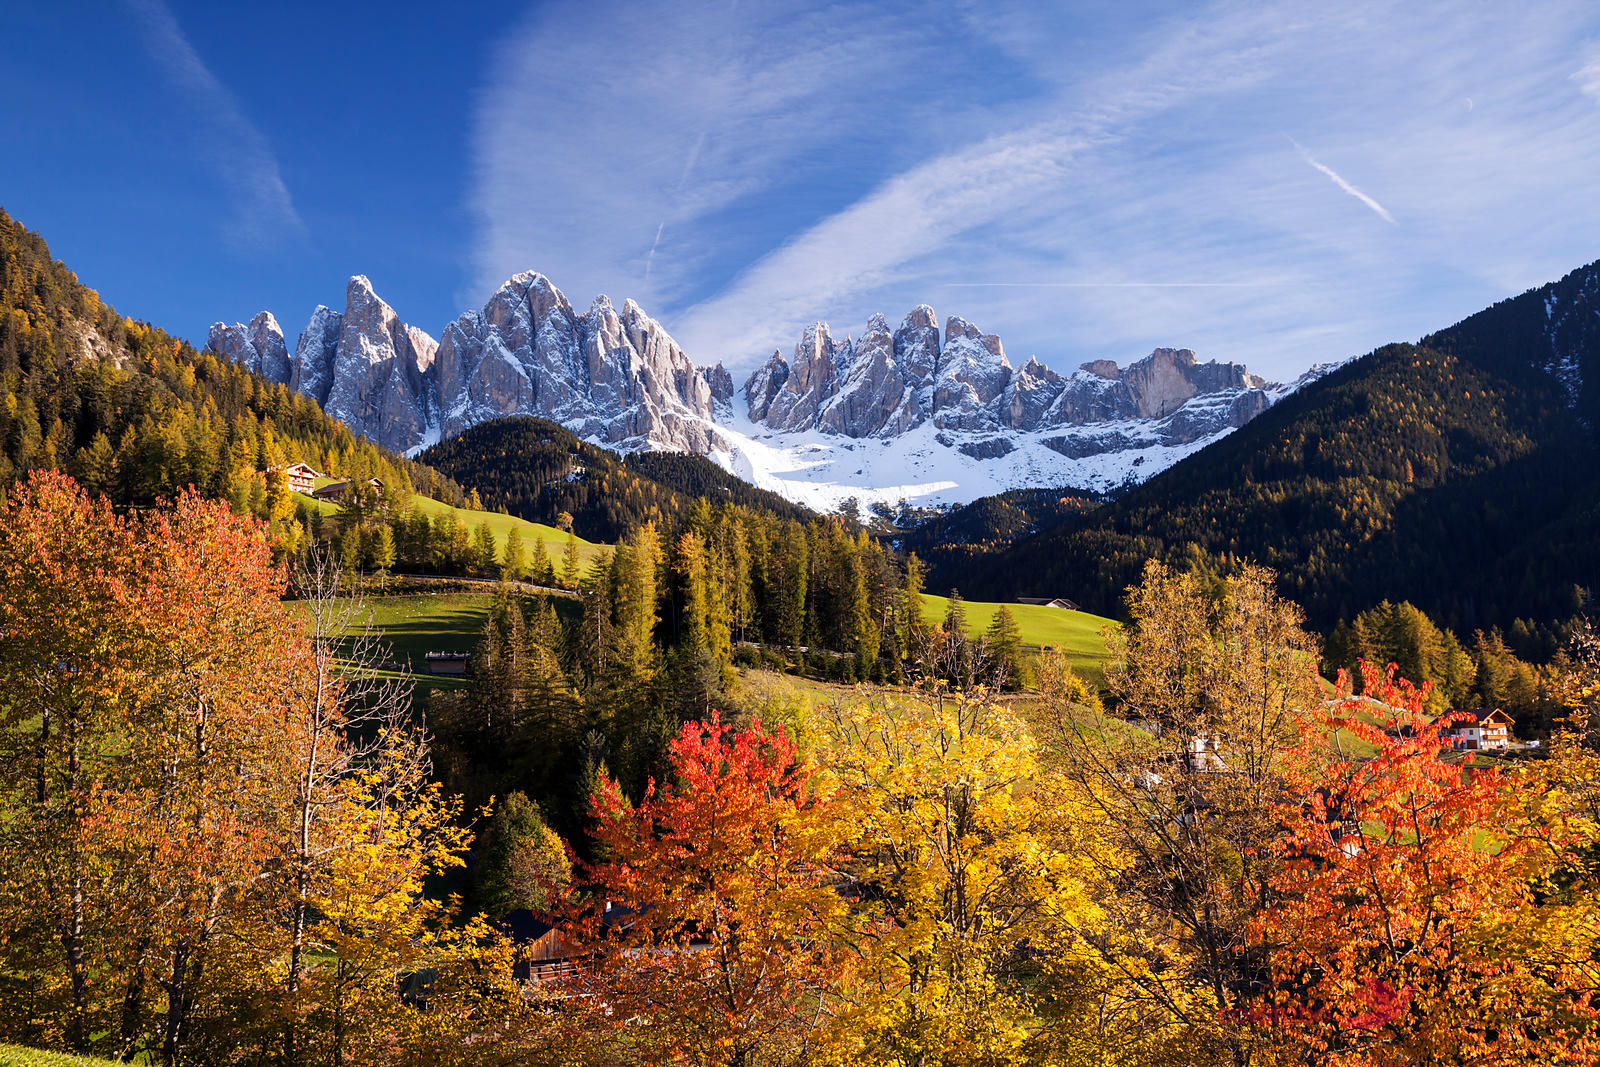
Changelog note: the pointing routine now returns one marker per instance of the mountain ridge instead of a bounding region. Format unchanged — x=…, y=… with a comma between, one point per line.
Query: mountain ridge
x=1460, y=473
x=950, y=401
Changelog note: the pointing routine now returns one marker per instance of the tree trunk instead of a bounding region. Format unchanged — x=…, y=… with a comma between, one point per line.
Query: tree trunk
x=72, y=922
x=177, y=1006
x=133, y=1001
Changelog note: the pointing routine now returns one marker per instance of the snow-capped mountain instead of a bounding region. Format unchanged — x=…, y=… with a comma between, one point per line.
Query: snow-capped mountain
x=913, y=413
x=619, y=380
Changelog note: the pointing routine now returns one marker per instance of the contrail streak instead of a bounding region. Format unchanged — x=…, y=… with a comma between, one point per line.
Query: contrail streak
x=1383, y=212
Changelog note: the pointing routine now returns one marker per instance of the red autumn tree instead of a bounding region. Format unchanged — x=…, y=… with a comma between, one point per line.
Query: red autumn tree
x=719, y=888
x=1393, y=927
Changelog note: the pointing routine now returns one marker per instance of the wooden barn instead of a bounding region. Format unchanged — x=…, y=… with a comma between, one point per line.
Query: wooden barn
x=448, y=663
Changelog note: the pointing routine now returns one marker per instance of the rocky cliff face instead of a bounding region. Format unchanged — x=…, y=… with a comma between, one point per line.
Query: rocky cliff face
x=887, y=383
x=927, y=397
x=259, y=346
x=618, y=378
x=381, y=383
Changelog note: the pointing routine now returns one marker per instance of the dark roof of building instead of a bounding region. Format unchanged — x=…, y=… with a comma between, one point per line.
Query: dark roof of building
x=1479, y=716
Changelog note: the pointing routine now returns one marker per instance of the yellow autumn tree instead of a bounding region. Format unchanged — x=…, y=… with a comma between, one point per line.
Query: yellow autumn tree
x=1210, y=685
x=967, y=885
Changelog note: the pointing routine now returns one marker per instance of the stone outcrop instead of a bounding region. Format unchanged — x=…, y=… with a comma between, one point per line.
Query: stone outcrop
x=615, y=377
x=259, y=346
x=381, y=380
x=314, y=354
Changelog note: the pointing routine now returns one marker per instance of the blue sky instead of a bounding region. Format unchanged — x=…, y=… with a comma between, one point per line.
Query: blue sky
x=1272, y=184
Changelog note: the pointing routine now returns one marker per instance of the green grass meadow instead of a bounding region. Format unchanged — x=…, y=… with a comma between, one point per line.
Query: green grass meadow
x=555, y=541
x=1077, y=633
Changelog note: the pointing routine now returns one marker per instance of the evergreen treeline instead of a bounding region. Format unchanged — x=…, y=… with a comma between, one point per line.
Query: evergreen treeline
x=538, y=469
x=138, y=414
x=951, y=541
x=563, y=688
x=1460, y=483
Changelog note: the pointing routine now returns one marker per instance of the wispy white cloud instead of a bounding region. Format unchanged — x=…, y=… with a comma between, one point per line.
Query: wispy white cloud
x=1381, y=211
x=1087, y=185
x=1588, y=78
x=265, y=214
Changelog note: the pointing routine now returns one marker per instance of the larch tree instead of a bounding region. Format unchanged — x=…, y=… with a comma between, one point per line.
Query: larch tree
x=512, y=564
x=1184, y=772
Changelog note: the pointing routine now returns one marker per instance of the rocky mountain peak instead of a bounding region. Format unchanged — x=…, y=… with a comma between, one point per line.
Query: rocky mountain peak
x=616, y=376
x=259, y=346
x=956, y=327
x=380, y=381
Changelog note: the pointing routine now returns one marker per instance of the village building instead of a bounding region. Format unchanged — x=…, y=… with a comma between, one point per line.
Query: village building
x=337, y=491
x=302, y=476
x=1486, y=728
x=447, y=663
x=1050, y=602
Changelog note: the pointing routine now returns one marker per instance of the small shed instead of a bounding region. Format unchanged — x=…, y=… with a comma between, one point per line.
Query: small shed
x=544, y=951
x=447, y=663
x=1050, y=602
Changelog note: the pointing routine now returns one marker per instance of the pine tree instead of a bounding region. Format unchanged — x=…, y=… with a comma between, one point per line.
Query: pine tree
x=543, y=572
x=571, y=565
x=511, y=567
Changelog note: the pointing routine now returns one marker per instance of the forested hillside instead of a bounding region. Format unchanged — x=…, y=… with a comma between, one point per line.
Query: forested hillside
x=952, y=542
x=1457, y=474
x=538, y=469
x=137, y=413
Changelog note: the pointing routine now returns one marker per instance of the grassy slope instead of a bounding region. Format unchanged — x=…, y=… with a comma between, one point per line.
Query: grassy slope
x=1077, y=633
x=413, y=626
x=17, y=1056
x=555, y=541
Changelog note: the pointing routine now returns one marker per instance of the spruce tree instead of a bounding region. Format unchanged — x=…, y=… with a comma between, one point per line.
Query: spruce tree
x=511, y=567
x=571, y=565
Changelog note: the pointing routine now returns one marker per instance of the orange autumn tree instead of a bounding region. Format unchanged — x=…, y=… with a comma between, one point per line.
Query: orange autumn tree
x=137, y=656
x=65, y=563
x=1401, y=881
x=723, y=881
